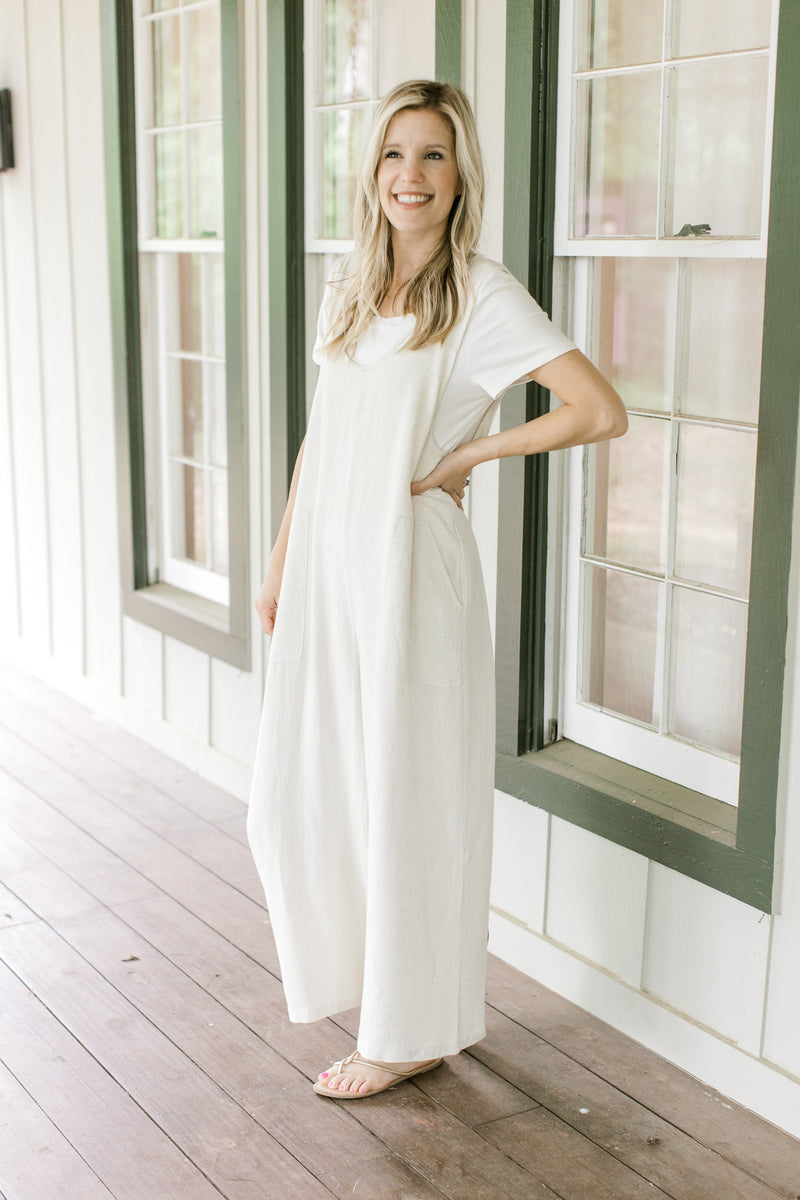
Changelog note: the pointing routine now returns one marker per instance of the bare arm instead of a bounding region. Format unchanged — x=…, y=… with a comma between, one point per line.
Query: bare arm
x=266, y=602
x=591, y=411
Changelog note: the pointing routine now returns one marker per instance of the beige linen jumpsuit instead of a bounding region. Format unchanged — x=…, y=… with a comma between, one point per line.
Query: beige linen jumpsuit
x=371, y=802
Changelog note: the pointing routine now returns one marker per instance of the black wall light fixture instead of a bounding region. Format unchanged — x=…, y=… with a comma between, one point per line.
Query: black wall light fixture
x=6, y=131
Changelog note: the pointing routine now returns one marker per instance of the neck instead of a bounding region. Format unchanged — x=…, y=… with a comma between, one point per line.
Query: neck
x=409, y=255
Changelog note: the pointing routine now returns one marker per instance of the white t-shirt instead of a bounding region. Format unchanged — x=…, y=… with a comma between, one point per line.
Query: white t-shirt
x=507, y=337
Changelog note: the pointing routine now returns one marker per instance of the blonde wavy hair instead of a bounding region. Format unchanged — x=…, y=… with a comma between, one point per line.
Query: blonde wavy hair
x=439, y=291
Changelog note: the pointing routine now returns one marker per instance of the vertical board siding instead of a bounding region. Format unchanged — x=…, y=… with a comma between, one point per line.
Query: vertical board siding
x=186, y=688
x=707, y=956
x=24, y=361
x=56, y=328
x=143, y=665
x=519, y=860
x=9, y=555
x=95, y=388
x=235, y=710
x=781, y=1038
x=596, y=900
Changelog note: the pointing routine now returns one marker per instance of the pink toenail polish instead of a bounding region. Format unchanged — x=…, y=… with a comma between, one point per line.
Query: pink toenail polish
x=324, y=1074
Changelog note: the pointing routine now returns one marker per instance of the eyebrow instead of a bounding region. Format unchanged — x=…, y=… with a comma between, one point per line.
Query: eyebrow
x=431, y=146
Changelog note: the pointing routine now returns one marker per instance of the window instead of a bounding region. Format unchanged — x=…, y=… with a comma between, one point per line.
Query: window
x=341, y=90
x=638, y=652
x=171, y=78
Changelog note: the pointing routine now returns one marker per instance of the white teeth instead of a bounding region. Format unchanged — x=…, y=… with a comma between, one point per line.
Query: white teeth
x=411, y=198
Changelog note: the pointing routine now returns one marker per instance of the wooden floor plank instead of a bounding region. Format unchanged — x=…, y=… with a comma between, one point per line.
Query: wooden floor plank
x=569, y=1163
x=457, y=1159
x=128, y=1152
x=466, y=1087
x=226, y=1144
x=197, y=794
x=137, y=920
x=163, y=865
x=641, y=1139
x=12, y=910
x=273, y=1091
x=323, y=1137
x=36, y=828
x=223, y=855
x=738, y=1135
x=36, y=1160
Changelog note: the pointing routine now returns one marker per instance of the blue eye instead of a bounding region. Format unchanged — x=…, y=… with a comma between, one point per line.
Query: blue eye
x=434, y=154
x=392, y=154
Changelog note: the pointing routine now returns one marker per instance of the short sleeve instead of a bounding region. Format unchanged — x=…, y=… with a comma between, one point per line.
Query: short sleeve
x=509, y=335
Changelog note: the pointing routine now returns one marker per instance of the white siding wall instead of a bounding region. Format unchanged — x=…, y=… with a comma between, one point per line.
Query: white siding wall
x=703, y=979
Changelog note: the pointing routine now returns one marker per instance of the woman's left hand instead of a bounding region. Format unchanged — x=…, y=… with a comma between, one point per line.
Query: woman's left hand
x=451, y=475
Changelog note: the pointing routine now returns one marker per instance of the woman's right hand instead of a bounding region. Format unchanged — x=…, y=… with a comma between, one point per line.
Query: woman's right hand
x=266, y=602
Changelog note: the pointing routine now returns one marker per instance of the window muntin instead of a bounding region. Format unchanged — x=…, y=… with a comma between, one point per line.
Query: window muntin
x=660, y=531
x=666, y=106
x=181, y=269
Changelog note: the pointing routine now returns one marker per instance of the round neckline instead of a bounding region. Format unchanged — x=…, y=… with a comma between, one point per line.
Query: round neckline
x=395, y=320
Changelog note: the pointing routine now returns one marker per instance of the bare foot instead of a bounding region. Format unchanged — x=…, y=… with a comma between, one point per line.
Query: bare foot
x=354, y=1075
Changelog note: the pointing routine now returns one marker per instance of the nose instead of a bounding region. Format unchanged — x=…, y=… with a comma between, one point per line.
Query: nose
x=413, y=170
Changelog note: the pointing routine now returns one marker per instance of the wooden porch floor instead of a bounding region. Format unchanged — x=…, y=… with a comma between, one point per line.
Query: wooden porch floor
x=146, y=1054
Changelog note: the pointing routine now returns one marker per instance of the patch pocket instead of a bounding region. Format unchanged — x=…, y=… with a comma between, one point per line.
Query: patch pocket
x=288, y=636
x=428, y=632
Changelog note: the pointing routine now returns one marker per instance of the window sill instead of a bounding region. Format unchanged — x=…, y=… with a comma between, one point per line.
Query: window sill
x=669, y=824
x=192, y=619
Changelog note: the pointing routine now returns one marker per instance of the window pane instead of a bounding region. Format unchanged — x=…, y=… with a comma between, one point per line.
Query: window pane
x=219, y=494
x=716, y=152
x=637, y=303
x=708, y=27
x=187, y=327
x=162, y=5
x=716, y=480
x=617, y=156
x=204, y=64
x=215, y=266
x=215, y=407
x=166, y=71
x=205, y=165
x=346, y=66
x=619, y=33
x=722, y=374
x=626, y=495
x=189, y=512
x=619, y=642
x=343, y=135
x=169, y=185
x=707, y=679
x=192, y=410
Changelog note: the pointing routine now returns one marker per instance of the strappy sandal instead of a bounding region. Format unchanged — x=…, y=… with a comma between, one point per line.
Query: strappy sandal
x=397, y=1077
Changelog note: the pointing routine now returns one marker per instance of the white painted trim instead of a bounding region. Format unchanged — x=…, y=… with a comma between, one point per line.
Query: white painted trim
x=755, y=1083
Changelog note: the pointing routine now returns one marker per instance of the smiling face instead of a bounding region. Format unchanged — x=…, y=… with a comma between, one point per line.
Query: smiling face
x=418, y=176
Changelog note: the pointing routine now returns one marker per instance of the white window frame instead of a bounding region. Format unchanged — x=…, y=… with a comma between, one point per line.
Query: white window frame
x=703, y=770
x=164, y=567
x=314, y=26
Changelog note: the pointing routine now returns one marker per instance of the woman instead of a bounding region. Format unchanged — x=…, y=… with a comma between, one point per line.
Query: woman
x=371, y=803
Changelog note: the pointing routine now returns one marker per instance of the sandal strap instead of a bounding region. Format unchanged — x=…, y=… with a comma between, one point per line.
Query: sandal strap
x=343, y=1062
x=355, y=1056
x=389, y=1070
